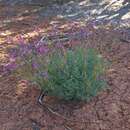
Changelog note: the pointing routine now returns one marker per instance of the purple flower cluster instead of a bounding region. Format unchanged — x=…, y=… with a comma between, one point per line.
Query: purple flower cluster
x=11, y=66
x=41, y=49
x=28, y=52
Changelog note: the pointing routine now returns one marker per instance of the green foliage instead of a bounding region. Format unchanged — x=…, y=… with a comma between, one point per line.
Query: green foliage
x=73, y=74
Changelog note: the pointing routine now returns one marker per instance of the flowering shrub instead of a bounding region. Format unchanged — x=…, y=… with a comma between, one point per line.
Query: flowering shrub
x=70, y=72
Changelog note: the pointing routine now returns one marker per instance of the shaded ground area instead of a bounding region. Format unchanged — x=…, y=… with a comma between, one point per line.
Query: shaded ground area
x=103, y=11
x=18, y=100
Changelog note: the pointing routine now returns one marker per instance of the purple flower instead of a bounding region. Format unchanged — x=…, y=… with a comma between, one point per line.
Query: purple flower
x=42, y=50
x=35, y=65
x=10, y=66
x=25, y=49
x=13, y=53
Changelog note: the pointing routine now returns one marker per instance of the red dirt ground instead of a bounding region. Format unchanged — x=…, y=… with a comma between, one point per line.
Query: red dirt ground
x=110, y=110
